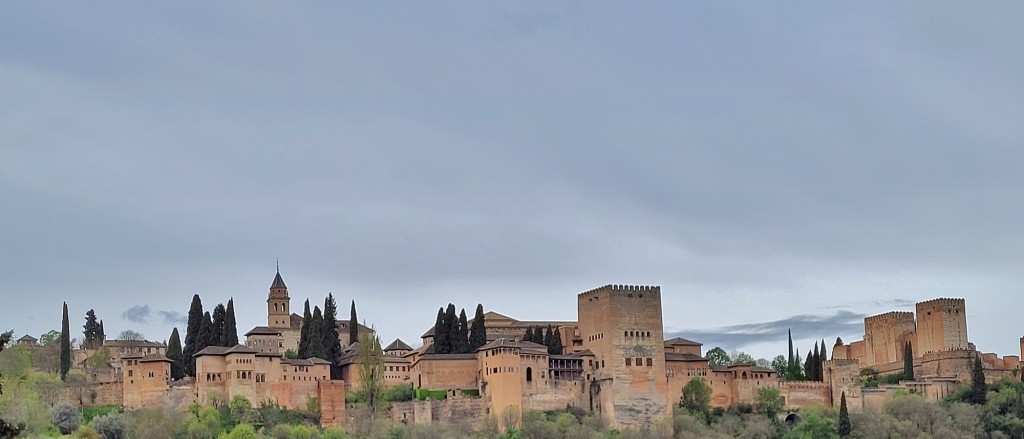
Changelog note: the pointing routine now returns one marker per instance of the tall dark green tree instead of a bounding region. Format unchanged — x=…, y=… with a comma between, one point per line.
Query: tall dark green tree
x=845, y=428
x=205, y=336
x=307, y=325
x=316, y=345
x=908, y=361
x=793, y=364
x=329, y=336
x=478, y=330
x=824, y=355
x=103, y=334
x=195, y=320
x=441, y=344
x=816, y=375
x=65, y=345
x=809, y=365
x=93, y=336
x=462, y=335
x=538, y=335
x=217, y=330
x=451, y=323
x=529, y=334
x=977, y=395
x=549, y=335
x=353, y=325
x=230, y=336
x=556, y=343
x=174, y=353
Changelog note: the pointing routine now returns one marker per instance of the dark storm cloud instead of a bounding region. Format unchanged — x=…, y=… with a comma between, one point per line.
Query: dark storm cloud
x=172, y=318
x=137, y=314
x=803, y=326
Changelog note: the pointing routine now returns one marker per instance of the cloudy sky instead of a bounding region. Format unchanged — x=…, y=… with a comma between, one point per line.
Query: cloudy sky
x=770, y=167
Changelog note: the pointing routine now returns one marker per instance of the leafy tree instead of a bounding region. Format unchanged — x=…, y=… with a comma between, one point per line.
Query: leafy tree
x=195, y=320
x=556, y=342
x=696, y=398
x=7, y=430
x=978, y=386
x=240, y=409
x=316, y=344
x=291, y=354
x=813, y=426
x=371, y=372
x=242, y=431
x=844, y=417
x=353, y=324
x=217, y=329
x=741, y=358
x=462, y=336
x=329, y=336
x=93, y=337
x=65, y=418
x=478, y=330
x=175, y=355
x=717, y=357
x=130, y=339
x=230, y=335
x=769, y=401
x=110, y=425
x=65, y=345
x=50, y=338
x=441, y=336
x=307, y=326
x=908, y=361
x=779, y=364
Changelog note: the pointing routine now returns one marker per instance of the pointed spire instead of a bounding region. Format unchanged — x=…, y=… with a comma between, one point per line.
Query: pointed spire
x=278, y=282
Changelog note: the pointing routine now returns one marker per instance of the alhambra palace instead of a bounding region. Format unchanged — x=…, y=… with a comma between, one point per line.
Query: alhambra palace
x=615, y=362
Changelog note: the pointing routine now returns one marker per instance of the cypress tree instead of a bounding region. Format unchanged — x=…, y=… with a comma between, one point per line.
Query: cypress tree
x=307, y=325
x=451, y=322
x=65, y=345
x=230, y=336
x=103, y=334
x=908, y=361
x=175, y=355
x=548, y=338
x=824, y=355
x=844, y=417
x=978, y=387
x=217, y=330
x=791, y=361
x=538, y=335
x=809, y=366
x=195, y=320
x=329, y=336
x=816, y=364
x=316, y=346
x=441, y=345
x=529, y=335
x=478, y=331
x=205, y=336
x=353, y=325
x=91, y=332
x=463, y=334
x=556, y=343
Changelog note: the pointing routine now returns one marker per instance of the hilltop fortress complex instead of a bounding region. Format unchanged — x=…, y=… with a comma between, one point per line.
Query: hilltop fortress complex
x=615, y=361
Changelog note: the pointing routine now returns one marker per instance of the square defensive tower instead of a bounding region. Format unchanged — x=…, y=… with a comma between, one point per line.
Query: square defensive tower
x=622, y=325
x=941, y=325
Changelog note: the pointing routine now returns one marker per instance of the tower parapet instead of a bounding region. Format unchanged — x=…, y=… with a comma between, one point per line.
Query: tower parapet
x=942, y=325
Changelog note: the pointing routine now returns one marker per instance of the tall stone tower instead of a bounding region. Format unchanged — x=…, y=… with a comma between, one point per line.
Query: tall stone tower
x=941, y=325
x=278, y=309
x=622, y=326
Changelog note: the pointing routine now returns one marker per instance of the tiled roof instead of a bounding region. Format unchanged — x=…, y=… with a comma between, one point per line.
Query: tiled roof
x=278, y=282
x=221, y=350
x=672, y=356
x=305, y=361
x=263, y=330
x=679, y=341
x=398, y=345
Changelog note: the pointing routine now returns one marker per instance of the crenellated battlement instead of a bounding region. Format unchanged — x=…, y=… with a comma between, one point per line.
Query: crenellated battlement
x=944, y=302
x=889, y=316
x=611, y=289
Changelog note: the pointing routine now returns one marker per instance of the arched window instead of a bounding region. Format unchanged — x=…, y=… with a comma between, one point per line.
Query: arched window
x=275, y=307
x=529, y=374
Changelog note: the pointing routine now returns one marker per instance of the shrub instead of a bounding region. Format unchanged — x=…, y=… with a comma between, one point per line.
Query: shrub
x=87, y=433
x=65, y=418
x=110, y=425
x=242, y=431
x=399, y=393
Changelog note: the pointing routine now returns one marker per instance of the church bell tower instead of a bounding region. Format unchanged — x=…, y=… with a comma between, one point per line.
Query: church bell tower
x=278, y=312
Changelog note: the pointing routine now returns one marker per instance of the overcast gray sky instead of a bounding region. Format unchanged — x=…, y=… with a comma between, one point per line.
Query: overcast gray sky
x=770, y=166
